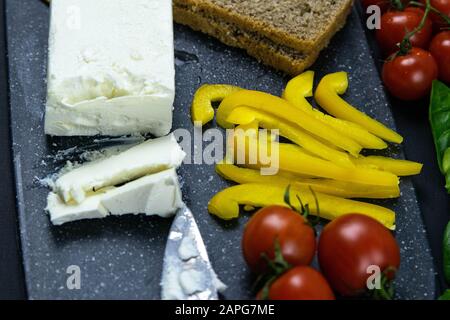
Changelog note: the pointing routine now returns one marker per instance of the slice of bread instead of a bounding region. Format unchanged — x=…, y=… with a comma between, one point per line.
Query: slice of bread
x=266, y=51
x=285, y=34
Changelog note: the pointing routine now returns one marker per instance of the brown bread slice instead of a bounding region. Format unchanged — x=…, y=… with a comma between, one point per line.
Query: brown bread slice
x=268, y=52
x=305, y=25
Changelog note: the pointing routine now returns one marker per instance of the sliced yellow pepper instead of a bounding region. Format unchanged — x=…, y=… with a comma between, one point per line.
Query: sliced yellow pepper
x=301, y=87
x=202, y=109
x=398, y=167
x=225, y=204
x=294, y=160
x=326, y=186
x=245, y=115
x=327, y=96
x=282, y=109
x=244, y=175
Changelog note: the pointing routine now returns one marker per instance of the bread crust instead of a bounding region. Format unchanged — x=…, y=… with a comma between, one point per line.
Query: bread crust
x=275, y=34
x=258, y=49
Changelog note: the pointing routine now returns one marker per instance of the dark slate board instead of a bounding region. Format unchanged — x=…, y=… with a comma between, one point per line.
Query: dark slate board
x=121, y=258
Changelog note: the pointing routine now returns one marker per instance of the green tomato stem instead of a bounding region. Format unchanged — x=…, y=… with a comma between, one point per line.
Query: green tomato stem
x=405, y=45
x=433, y=9
x=386, y=292
x=397, y=4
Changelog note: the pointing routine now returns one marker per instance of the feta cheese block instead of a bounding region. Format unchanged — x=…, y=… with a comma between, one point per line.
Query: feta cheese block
x=110, y=68
x=149, y=157
x=155, y=194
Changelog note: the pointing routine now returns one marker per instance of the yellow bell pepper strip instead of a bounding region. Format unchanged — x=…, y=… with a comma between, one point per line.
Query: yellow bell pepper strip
x=400, y=168
x=301, y=87
x=249, y=208
x=326, y=186
x=327, y=96
x=202, y=109
x=245, y=115
x=225, y=204
x=282, y=109
x=244, y=175
x=294, y=160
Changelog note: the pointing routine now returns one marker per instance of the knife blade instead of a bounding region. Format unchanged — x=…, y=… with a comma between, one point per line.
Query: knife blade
x=187, y=272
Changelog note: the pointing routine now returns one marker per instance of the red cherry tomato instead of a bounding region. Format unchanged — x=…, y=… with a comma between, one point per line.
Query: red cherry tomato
x=295, y=237
x=409, y=77
x=300, y=283
x=396, y=24
x=444, y=7
x=349, y=245
x=440, y=49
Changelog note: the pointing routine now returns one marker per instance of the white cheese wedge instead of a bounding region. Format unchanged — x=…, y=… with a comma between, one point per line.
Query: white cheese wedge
x=110, y=68
x=156, y=194
x=60, y=212
x=146, y=158
x=192, y=281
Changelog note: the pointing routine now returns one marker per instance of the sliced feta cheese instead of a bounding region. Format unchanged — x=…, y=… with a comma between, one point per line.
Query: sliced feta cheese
x=156, y=194
x=170, y=283
x=110, y=68
x=149, y=157
x=188, y=248
x=60, y=212
x=192, y=281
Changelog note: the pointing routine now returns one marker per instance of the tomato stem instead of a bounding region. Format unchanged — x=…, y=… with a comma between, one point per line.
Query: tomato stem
x=316, y=200
x=433, y=9
x=277, y=267
x=397, y=4
x=266, y=289
x=303, y=210
x=386, y=291
x=405, y=45
x=287, y=198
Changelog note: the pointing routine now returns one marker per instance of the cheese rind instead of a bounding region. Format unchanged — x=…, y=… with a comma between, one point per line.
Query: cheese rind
x=110, y=68
x=146, y=158
x=156, y=194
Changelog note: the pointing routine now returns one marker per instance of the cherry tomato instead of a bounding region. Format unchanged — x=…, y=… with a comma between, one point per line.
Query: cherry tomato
x=349, y=245
x=295, y=237
x=301, y=283
x=396, y=24
x=444, y=7
x=440, y=49
x=410, y=76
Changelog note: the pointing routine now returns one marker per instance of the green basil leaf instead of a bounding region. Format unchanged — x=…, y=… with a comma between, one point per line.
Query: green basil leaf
x=445, y=296
x=446, y=247
x=440, y=125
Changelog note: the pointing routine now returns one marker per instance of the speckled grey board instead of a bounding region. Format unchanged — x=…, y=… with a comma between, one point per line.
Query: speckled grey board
x=122, y=257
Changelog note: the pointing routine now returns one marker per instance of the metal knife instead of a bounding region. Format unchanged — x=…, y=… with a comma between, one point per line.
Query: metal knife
x=187, y=272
